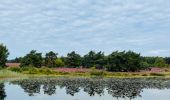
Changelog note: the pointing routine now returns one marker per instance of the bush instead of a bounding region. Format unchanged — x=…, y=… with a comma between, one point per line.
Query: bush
x=15, y=69
x=59, y=62
x=156, y=74
x=46, y=71
x=144, y=75
x=33, y=71
x=26, y=68
x=97, y=73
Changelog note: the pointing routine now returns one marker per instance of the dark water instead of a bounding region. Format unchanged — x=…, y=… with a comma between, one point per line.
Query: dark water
x=85, y=89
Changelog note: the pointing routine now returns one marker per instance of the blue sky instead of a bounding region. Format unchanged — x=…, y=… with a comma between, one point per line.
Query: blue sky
x=83, y=25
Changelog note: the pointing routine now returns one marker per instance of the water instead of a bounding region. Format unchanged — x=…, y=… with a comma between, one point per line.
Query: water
x=85, y=89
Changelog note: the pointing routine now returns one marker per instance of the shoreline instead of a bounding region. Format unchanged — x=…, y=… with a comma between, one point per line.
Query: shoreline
x=5, y=73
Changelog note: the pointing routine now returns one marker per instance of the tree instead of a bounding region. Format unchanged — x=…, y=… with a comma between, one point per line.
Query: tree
x=16, y=60
x=33, y=59
x=59, y=62
x=133, y=61
x=89, y=60
x=73, y=59
x=93, y=59
x=50, y=59
x=167, y=60
x=124, y=61
x=3, y=55
x=144, y=65
x=116, y=61
x=150, y=61
x=100, y=60
x=160, y=62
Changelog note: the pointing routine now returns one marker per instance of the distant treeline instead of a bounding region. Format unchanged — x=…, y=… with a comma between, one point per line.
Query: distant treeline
x=118, y=61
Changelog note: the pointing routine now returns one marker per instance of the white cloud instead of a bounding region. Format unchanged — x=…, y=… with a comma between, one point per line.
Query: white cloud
x=89, y=24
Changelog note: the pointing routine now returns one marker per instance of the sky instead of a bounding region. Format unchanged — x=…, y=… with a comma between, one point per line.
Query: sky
x=83, y=25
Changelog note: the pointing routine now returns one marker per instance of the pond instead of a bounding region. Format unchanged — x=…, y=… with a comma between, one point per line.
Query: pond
x=85, y=89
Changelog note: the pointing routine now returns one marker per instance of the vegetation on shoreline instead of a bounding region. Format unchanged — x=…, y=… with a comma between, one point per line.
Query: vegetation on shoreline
x=38, y=72
x=117, y=61
x=4, y=73
x=116, y=64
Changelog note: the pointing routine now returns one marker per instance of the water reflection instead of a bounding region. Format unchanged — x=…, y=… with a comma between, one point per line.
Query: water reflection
x=2, y=91
x=119, y=88
x=49, y=88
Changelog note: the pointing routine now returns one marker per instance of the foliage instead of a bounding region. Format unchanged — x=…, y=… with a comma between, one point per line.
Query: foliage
x=167, y=60
x=32, y=59
x=3, y=55
x=73, y=60
x=160, y=62
x=144, y=65
x=97, y=73
x=115, y=62
x=59, y=62
x=124, y=61
x=155, y=61
x=16, y=60
x=33, y=70
x=9, y=74
x=50, y=59
x=46, y=71
x=15, y=69
x=149, y=60
x=157, y=74
x=94, y=59
x=43, y=71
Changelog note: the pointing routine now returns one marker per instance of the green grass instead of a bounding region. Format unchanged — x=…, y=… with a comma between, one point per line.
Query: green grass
x=4, y=73
x=38, y=72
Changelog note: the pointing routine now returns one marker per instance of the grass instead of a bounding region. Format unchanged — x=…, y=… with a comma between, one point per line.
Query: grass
x=4, y=73
x=38, y=72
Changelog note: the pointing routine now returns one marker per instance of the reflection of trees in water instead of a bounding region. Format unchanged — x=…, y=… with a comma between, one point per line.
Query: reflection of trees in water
x=71, y=87
x=30, y=87
x=94, y=87
x=2, y=91
x=126, y=88
x=120, y=88
x=49, y=88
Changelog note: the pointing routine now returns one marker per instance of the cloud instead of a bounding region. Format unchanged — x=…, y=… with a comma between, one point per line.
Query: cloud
x=83, y=25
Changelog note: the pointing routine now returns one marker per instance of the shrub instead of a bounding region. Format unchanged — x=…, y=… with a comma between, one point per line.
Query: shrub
x=156, y=74
x=46, y=71
x=97, y=73
x=15, y=69
x=33, y=71
x=135, y=74
x=59, y=62
x=144, y=75
x=26, y=68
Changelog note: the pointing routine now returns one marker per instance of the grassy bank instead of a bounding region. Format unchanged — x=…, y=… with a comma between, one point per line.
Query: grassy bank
x=38, y=72
x=4, y=73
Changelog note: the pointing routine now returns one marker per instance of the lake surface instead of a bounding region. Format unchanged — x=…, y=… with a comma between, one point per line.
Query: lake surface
x=85, y=89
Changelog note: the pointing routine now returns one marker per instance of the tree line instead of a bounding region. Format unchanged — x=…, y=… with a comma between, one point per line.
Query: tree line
x=117, y=61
